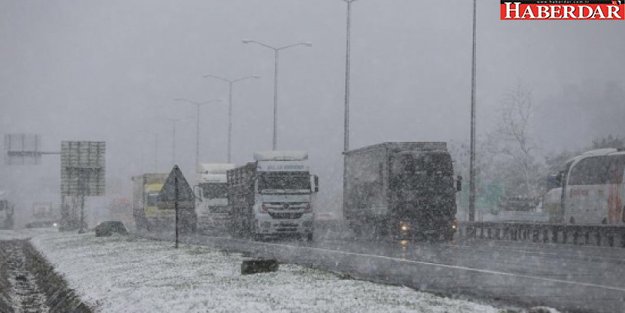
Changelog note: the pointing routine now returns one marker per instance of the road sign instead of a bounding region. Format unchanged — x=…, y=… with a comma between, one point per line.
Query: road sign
x=168, y=192
x=176, y=192
x=82, y=168
x=22, y=149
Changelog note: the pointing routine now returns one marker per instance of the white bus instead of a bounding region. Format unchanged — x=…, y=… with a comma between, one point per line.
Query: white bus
x=592, y=188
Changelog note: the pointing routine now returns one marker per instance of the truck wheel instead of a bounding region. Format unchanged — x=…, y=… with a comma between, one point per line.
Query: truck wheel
x=309, y=237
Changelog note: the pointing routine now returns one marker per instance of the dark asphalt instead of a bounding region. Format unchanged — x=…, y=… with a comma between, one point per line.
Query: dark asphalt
x=566, y=277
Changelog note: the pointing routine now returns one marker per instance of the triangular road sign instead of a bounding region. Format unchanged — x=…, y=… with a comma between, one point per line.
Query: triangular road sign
x=184, y=192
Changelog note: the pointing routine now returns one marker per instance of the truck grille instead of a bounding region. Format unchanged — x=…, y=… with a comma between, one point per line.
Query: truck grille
x=286, y=228
x=282, y=215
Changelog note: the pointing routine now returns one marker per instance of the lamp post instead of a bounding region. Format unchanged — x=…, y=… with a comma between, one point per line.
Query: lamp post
x=347, y=73
x=231, y=83
x=347, y=90
x=173, y=140
x=276, y=51
x=472, y=187
x=197, y=125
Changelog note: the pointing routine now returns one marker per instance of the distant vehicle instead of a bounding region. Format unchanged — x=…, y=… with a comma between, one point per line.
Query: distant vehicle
x=120, y=209
x=591, y=188
x=211, y=205
x=43, y=215
x=6, y=212
x=403, y=190
x=108, y=228
x=147, y=211
x=272, y=196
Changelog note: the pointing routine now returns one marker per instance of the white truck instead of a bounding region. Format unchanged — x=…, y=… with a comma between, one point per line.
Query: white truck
x=211, y=202
x=271, y=196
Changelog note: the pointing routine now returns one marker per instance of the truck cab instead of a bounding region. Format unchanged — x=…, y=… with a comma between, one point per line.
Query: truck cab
x=211, y=204
x=273, y=195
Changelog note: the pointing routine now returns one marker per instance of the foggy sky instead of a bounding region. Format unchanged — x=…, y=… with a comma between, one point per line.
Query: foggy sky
x=108, y=70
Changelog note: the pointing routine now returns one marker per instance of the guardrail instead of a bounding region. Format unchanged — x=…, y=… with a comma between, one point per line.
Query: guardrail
x=595, y=235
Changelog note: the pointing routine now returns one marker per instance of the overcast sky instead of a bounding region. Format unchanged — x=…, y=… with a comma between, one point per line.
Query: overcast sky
x=108, y=70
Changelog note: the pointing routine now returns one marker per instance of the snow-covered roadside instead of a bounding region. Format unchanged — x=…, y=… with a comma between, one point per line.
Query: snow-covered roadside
x=122, y=274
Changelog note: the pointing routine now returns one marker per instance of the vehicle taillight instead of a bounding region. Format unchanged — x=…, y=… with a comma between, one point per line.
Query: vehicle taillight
x=264, y=209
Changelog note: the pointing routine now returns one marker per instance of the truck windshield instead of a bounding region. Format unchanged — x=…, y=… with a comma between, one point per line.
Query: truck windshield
x=284, y=182
x=214, y=190
x=427, y=172
x=153, y=198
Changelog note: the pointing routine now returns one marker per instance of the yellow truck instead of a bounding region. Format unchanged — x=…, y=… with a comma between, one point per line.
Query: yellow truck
x=152, y=214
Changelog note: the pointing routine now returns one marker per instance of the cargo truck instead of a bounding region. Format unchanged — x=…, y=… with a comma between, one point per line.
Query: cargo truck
x=149, y=212
x=271, y=196
x=402, y=190
x=211, y=205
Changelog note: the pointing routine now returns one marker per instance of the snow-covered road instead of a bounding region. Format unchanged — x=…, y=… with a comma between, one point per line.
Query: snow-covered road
x=125, y=274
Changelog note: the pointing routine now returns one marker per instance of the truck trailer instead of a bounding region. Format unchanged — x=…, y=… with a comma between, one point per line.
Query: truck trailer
x=403, y=190
x=211, y=205
x=149, y=213
x=271, y=196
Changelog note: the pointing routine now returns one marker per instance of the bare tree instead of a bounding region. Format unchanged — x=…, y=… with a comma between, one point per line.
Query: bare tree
x=513, y=141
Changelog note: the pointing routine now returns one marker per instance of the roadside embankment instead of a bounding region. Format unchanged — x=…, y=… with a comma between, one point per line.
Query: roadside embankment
x=28, y=283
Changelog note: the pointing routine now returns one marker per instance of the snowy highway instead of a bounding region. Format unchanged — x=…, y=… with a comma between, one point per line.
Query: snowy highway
x=569, y=278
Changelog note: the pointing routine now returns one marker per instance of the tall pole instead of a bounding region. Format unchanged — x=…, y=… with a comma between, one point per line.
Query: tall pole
x=276, y=51
x=275, y=100
x=197, y=125
x=348, y=34
x=231, y=83
x=347, y=74
x=197, y=137
x=173, y=140
x=472, y=187
x=176, y=205
x=230, y=86
x=155, y=153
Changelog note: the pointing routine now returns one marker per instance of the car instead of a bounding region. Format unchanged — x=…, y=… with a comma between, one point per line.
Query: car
x=107, y=228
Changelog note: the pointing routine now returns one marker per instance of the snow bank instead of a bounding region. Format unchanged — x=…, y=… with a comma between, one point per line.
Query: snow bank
x=125, y=274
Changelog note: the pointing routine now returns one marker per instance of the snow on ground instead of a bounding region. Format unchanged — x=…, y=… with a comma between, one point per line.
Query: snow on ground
x=126, y=274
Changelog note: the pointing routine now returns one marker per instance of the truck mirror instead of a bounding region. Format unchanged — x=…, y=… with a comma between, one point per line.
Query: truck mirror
x=315, y=183
x=459, y=183
x=197, y=192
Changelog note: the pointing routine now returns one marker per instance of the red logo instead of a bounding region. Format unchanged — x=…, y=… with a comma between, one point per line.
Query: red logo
x=562, y=10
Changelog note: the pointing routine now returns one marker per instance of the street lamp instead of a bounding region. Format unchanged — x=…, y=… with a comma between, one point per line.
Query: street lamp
x=347, y=74
x=472, y=187
x=173, y=140
x=347, y=90
x=230, y=82
x=197, y=125
x=276, y=51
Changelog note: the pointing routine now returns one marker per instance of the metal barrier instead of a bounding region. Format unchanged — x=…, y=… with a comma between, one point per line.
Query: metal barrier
x=595, y=235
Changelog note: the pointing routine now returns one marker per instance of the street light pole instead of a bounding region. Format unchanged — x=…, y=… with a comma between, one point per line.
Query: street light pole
x=173, y=140
x=348, y=34
x=276, y=51
x=347, y=74
x=231, y=83
x=197, y=125
x=472, y=187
